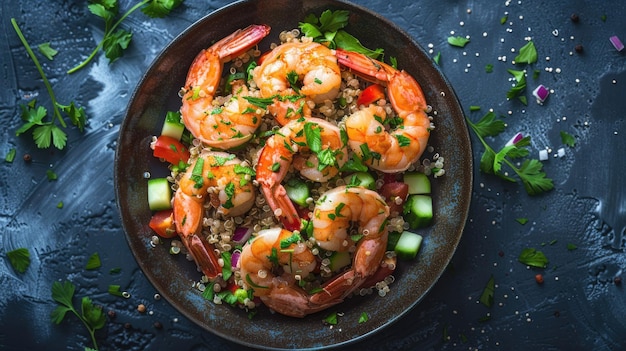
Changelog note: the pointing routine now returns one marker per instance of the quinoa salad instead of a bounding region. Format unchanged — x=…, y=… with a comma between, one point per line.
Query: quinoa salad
x=227, y=235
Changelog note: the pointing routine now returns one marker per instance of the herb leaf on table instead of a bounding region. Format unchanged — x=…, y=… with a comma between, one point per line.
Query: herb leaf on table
x=530, y=172
x=115, y=40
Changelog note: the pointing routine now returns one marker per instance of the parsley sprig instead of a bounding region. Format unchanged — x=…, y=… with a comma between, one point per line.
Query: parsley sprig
x=46, y=132
x=530, y=172
x=328, y=28
x=91, y=315
x=115, y=40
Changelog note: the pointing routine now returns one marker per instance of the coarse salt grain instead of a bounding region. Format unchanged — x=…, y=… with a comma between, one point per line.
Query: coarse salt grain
x=560, y=152
x=543, y=155
x=617, y=44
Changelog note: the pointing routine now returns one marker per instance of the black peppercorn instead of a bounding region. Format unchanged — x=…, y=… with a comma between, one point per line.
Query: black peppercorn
x=27, y=157
x=575, y=18
x=578, y=48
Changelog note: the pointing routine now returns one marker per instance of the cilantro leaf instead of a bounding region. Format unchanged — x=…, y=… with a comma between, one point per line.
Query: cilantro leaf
x=49, y=133
x=458, y=41
x=331, y=319
x=160, y=8
x=532, y=257
x=527, y=54
x=114, y=44
x=348, y=42
x=45, y=133
x=520, y=85
x=313, y=137
x=486, y=298
x=47, y=51
x=76, y=114
x=530, y=172
x=19, y=259
x=489, y=125
x=93, y=262
x=10, y=156
x=568, y=139
x=91, y=315
x=534, y=179
x=329, y=29
x=364, y=317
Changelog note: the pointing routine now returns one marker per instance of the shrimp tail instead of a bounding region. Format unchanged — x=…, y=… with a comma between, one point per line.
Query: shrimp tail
x=291, y=302
x=240, y=41
x=203, y=254
x=188, y=214
x=277, y=198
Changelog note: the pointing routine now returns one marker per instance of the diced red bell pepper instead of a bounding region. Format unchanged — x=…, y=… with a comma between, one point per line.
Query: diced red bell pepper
x=371, y=94
x=162, y=222
x=171, y=150
x=393, y=190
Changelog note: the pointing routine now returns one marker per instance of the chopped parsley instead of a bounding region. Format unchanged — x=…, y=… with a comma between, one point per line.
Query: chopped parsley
x=19, y=259
x=568, y=139
x=93, y=262
x=527, y=54
x=91, y=315
x=486, y=298
x=530, y=172
x=10, y=156
x=458, y=41
x=328, y=28
x=532, y=257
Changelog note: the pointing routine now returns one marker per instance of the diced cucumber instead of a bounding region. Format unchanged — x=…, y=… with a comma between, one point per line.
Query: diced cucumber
x=418, y=182
x=362, y=179
x=392, y=240
x=338, y=260
x=297, y=191
x=159, y=194
x=418, y=211
x=172, y=126
x=408, y=245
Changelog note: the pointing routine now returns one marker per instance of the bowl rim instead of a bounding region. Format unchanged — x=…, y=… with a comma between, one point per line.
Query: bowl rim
x=451, y=99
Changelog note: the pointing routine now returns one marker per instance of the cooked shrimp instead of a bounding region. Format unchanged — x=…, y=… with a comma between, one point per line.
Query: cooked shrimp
x=233, y=124
x=334, y=212
x=220, y=178
x=275, y=160
x=396, y=150
x=312, y=64
x=282, y=251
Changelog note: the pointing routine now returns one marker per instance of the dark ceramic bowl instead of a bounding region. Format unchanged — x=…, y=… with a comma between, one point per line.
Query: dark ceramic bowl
x=172, y=275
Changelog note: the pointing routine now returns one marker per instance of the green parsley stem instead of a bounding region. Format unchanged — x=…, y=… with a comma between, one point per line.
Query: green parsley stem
x=106, y=32
x=43, y=75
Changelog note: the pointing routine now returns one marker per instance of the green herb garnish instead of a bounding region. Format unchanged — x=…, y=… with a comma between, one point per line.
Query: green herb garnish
x=115, y=41
x=532, y=257
x=568, y=139
x=364, y=317
x=331, y=319
x=328, y=28
x=19, y=259
x=46, y=133
x=10, y=156
x=93, y=262
x=486, y=298
x=527, y=54
x=530, y=172
x=458, y=41
x=46, y=50
x=91, y=315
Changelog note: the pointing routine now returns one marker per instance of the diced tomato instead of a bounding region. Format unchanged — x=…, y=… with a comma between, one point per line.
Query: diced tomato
x=303, y=212
x=393, y=190
x=371, y=94
x=162, y=222
x=171, y=150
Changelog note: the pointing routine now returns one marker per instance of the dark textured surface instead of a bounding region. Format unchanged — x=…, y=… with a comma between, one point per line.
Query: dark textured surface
x=578, y=307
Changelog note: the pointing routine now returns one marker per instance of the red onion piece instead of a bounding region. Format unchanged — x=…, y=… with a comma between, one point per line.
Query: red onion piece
x=517, y=137
x=617, y=44
x=541, y=93
x=234, y=258
x=241, y=235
